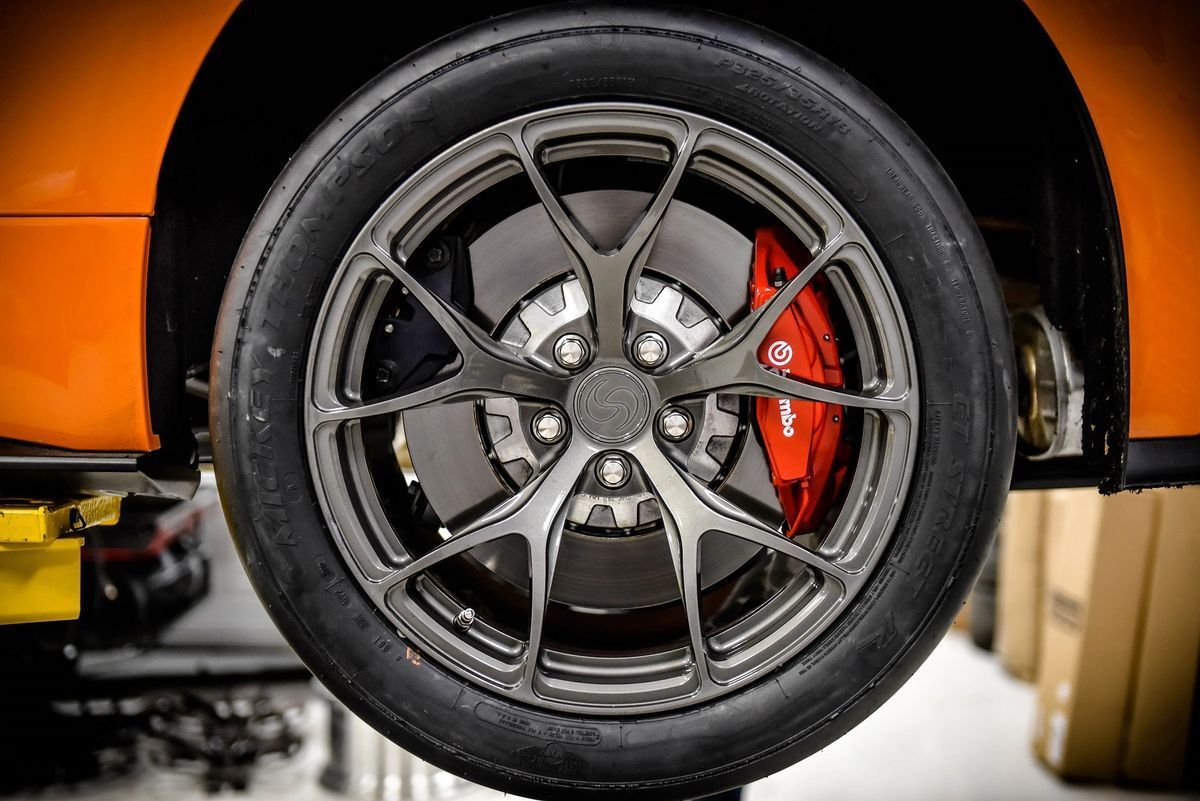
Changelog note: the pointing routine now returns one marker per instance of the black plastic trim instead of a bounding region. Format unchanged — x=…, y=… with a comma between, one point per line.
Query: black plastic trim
x=37, y=471
x=1169, y=461
x=1073, y=471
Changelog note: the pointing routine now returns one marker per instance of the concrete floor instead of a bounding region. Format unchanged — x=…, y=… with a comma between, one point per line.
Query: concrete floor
x=960, y=729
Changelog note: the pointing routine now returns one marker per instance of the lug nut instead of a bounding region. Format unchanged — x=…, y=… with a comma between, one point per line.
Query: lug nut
x=436, y=256
x=548, y=426
x=570, y=351
x=464, y=619
x=675, y=424
x=650, y=349
x=613, y=471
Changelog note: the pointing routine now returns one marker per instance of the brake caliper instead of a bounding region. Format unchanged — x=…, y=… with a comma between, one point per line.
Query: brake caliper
x=803, y=438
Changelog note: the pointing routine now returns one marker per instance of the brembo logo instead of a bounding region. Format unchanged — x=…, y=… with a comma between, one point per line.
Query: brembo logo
x=787, y=416
x=612, y=404
x=780, y=355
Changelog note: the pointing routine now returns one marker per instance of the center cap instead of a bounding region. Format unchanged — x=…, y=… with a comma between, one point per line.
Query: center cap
x=612, y=405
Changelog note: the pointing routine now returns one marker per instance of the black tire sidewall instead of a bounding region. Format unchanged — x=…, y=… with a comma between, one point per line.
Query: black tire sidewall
x=809, y=110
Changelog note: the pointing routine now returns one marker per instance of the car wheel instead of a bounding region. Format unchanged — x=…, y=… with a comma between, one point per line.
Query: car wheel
x=612, y=399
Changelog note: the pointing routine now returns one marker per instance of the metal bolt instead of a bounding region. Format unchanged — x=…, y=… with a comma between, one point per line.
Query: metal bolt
x=384, y=374
x=548, y=426
x=675, y=424
x=436, y=255
x=650, y=349
x=613, y=471
x=389, y=329
x=464, y=619
x=570, y=351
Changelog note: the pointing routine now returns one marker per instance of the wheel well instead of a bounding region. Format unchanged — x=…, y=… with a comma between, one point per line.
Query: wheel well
x=981, y=85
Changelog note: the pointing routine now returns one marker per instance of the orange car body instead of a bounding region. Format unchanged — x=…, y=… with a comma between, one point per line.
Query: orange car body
x=1136, y=65
x=86, y=111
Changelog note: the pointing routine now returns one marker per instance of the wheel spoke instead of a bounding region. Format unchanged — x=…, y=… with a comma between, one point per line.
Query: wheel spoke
x=740, y=373
x=468, y=337
x=754, y=379
x=477, y=379
x=577, y=242
x=685, y=553
x=486, y=368
x=731, y=365
x=752, y=329
x=633, y=250
x=759, y=535
x=694, y=510
x=608, y=277
x=543, y=556
x=535, y=512
x=458, y=387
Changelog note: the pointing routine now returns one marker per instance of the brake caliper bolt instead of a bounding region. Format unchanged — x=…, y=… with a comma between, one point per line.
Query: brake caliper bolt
x=386, y=373
x=548, y=426
x=650, y=349
x=675, y=424
x=613, y=471
x=570, y=351
x=464, y=619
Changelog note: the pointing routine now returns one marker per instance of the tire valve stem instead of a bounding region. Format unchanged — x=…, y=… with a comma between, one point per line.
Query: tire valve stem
x=464, y=619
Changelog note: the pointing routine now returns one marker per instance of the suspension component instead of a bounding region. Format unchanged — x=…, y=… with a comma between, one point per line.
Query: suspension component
x=803, y=439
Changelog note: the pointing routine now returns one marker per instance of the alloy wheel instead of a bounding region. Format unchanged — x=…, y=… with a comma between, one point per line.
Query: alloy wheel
x=599, y=366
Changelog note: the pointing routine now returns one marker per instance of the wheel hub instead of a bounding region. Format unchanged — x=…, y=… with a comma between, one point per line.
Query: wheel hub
x=612, y=405
x=684, y=303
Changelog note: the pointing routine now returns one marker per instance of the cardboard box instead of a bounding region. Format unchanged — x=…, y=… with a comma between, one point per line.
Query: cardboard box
x=1097, y=553
x=1169, y=648
x=1019, y=582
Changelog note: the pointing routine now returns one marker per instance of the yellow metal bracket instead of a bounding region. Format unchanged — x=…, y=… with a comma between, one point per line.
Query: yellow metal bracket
x=39, y=557
x=40, y=522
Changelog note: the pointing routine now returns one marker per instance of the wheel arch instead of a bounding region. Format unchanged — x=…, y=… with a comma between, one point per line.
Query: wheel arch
x=984, y=88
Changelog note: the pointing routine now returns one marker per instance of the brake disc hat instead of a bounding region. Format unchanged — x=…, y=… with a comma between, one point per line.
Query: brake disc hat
x=335, y=548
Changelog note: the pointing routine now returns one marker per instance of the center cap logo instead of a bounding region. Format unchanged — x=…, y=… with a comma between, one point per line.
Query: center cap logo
x=612, y=405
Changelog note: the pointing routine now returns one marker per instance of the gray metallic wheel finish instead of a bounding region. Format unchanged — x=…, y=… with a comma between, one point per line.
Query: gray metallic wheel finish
x=620, y=415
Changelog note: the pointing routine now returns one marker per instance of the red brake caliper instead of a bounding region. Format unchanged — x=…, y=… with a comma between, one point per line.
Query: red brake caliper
x=803, y=438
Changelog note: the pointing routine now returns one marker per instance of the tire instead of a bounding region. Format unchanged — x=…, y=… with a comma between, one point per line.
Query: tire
x=776, y=92
x=983, y=605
